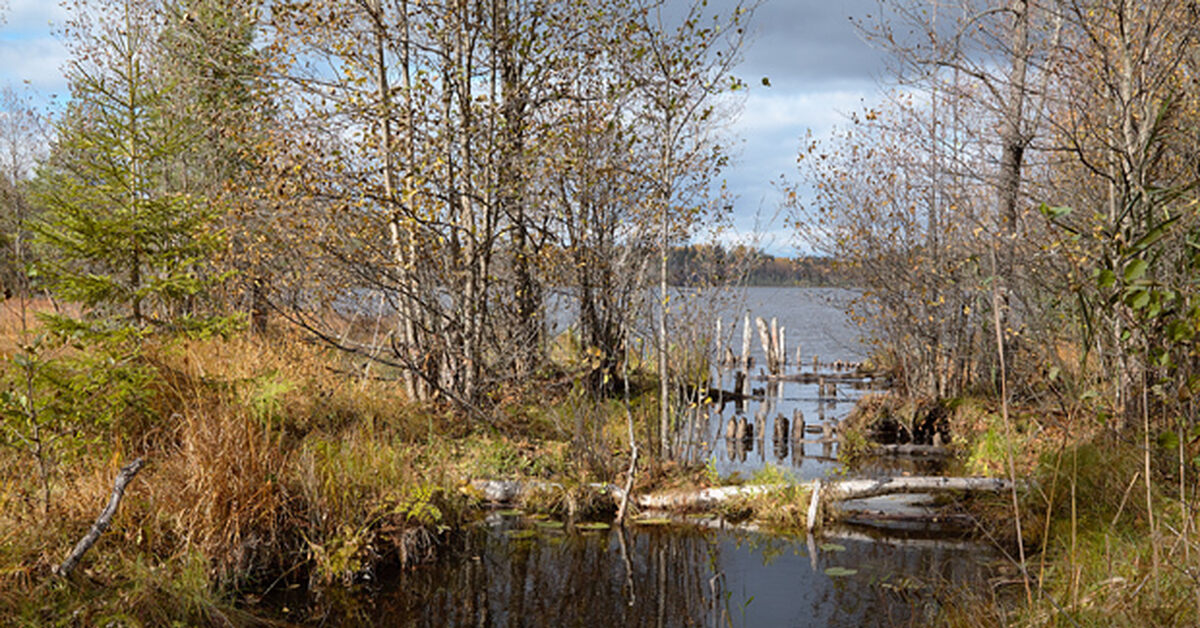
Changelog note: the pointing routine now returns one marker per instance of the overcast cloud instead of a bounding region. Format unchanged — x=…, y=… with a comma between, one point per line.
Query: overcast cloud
x=819, y=67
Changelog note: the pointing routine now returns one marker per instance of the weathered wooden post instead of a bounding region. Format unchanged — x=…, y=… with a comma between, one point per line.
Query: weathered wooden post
x=816, y=363
x=731, y=429
x=781, y=437
x=764, y=338
x=782, y=347
x=746, y=342
x=773, y=361
x=797, y=424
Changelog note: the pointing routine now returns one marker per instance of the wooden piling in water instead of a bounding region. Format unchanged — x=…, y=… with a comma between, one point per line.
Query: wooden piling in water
x=764, y=338
x=746, y=342
x=783, y=347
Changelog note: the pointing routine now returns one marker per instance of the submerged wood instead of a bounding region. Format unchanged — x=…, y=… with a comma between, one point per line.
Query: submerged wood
x=126, y=475
x=911, y=450
x=843, y=533
x=874, y=516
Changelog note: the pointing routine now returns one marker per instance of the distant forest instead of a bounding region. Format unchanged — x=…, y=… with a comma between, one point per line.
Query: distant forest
x=708, y=263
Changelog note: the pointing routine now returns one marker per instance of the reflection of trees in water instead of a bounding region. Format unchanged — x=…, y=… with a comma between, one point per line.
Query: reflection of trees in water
x=561, y=580
x=661, y=577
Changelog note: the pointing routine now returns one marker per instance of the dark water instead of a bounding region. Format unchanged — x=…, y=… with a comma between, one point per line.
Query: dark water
x=665, y=576
x=692, y=575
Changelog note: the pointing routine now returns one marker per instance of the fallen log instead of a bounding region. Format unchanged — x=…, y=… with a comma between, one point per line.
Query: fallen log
x=502, y=491
x=860, y=489
x=509, y=491
x=911, y=450
x=702, y=499
x=102, y=522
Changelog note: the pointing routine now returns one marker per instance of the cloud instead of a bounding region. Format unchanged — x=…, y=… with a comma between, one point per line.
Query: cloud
x=38, y=61
x=29, y=51
x=32, y=17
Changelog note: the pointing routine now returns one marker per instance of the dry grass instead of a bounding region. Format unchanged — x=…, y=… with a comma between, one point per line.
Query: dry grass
x=265, y=461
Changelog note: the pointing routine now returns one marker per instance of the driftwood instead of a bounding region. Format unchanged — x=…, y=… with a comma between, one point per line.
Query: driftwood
x=702, y=499
x=910, y=450
x=102, y=522
x=509, y=491
x=860, y=489
x=501, y=491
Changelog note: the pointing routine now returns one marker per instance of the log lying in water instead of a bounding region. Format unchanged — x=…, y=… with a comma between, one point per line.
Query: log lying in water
x=501, y=491
x=860, y=489
x=509, y=491
x=911, y=450
x=702, y=499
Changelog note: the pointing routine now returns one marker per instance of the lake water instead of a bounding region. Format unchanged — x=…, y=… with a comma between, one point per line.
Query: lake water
x=510, y=570
x=814, y=323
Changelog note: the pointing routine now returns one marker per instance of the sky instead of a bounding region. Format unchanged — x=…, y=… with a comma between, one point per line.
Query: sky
x=820, y=70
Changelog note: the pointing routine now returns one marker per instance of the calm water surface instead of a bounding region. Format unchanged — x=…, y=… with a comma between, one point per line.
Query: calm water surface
x=509, y=571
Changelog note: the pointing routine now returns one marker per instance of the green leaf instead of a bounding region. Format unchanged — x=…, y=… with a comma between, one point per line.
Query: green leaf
x=1054, y=212
x=1107, y=278
x=832, y=547
x=1135, y=270
x=1138, y=299
x=838, y=572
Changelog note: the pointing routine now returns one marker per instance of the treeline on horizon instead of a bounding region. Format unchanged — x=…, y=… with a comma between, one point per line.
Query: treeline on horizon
x=708, y=264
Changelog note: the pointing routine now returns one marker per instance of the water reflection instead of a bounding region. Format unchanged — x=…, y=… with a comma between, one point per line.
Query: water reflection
x=677, y=576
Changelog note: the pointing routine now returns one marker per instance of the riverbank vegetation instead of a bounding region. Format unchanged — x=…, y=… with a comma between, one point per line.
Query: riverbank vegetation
x=300, y=259
x=1022, y=216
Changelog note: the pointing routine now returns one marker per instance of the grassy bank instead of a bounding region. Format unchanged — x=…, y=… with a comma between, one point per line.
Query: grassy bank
x=267, y=465
x=1103, y=546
